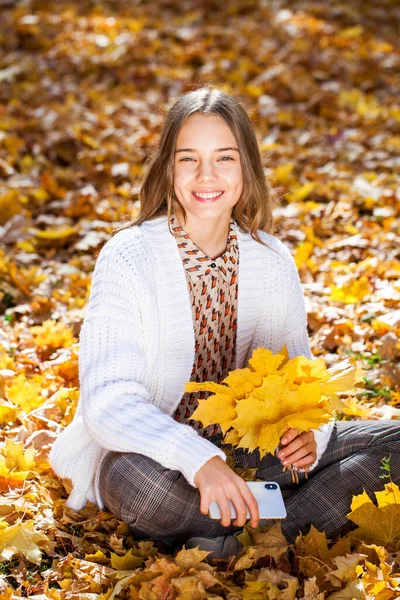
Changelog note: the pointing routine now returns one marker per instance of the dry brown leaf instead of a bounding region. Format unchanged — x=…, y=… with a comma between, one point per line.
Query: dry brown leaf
x=268, y=542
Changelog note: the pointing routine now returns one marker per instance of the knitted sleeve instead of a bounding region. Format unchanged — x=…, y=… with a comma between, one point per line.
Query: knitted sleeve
x=116, y=406
x=298, y=343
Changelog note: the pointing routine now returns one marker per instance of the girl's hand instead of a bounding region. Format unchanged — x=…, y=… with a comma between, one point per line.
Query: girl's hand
x=299, y=450
x=216, y=481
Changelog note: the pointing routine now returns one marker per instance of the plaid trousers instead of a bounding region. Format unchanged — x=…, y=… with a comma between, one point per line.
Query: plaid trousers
x=160, y=504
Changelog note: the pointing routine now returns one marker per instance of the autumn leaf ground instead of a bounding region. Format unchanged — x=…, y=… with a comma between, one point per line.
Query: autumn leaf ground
x=83, y=87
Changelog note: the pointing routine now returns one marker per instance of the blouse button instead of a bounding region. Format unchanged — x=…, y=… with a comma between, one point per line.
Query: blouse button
x=213, y=264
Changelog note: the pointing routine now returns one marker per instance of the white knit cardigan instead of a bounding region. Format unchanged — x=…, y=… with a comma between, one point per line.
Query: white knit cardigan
x=136, y=351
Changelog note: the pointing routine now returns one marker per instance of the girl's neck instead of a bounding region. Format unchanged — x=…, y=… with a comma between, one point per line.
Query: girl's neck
x=210, y=236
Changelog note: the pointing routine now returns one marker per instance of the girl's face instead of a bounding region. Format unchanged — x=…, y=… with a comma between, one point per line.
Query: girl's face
x=207, y=162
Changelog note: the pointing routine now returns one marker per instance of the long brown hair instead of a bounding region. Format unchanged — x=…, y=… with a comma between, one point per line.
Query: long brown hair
x=253, y=211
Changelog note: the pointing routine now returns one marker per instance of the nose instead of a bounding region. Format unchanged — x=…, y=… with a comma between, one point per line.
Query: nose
x=205, y=171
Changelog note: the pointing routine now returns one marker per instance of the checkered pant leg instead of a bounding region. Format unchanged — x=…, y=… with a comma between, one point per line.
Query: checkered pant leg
x=153, y=500
x=349, y=464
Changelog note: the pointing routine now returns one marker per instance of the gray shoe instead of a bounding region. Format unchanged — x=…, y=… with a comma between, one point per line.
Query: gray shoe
x=223, y=546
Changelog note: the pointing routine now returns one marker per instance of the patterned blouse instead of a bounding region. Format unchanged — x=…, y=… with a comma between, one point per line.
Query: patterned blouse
x=213, y=289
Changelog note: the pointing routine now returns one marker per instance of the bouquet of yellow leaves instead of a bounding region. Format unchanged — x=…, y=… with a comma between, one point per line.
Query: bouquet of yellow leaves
x=260, y=403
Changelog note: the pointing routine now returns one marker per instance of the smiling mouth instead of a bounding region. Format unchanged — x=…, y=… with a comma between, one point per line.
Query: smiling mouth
x=205, y=199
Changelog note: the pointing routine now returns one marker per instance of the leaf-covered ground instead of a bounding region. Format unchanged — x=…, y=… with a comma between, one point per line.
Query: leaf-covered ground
x=83, y=89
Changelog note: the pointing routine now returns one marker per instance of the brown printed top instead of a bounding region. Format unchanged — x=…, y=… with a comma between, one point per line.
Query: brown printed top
x=213, y=289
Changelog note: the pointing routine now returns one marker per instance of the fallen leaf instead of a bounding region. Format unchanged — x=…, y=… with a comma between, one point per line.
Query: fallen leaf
x=380, y=524
x=269, y=542
x=22, y=537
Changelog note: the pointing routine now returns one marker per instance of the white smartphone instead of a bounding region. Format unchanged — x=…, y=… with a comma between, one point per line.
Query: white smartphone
x=269, y=498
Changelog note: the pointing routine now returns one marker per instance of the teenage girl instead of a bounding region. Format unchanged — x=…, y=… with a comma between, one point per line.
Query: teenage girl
x=186, y=293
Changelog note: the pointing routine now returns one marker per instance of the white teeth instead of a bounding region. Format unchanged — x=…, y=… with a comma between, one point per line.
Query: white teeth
x=208, y=195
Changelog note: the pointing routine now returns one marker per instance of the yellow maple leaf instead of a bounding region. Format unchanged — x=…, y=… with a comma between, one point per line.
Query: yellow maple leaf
x=359, y=500
x=379, y=582
x=243, y=381
x=53, y=334
x=251, y=413
x=6, y=362
x=283, y=401
x=352, y=591
x=380, y=524
x=353, y=408
x=373, y=553
x=300, y=193
x=353, y=291
x=16, y=457
x=25, y=393
x=98, y=557
x=390, y=495
x=192, y=558
x=264, y=362
x=128, y=562
x=8, y=412
x=308, y=419
x=219, y=408
x=54, y=233
x=268, y=438
x=248, y=439
x=284, y=173
x=256, y=405
x=10, y=478
x=207, y=386
x=22, y=538
x=16, y=465
x=303, y=252
x=346, y=571
x=9, y=205
x=300, y=369
x=266, y=414
x=232, y=437
x=344, y=376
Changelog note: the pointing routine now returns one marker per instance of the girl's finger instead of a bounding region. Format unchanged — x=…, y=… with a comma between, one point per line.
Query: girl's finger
x=226, y=512
x=241, y=511
x=306, y=461
x=289, y=436
x=301, y=453
x=252, y=505
x=291, y=448
x=204, y=503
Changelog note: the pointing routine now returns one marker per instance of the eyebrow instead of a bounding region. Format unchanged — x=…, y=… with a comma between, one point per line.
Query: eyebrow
x=194, y=150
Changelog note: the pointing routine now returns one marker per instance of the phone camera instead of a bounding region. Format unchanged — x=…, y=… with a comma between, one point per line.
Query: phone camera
x=271, y=486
